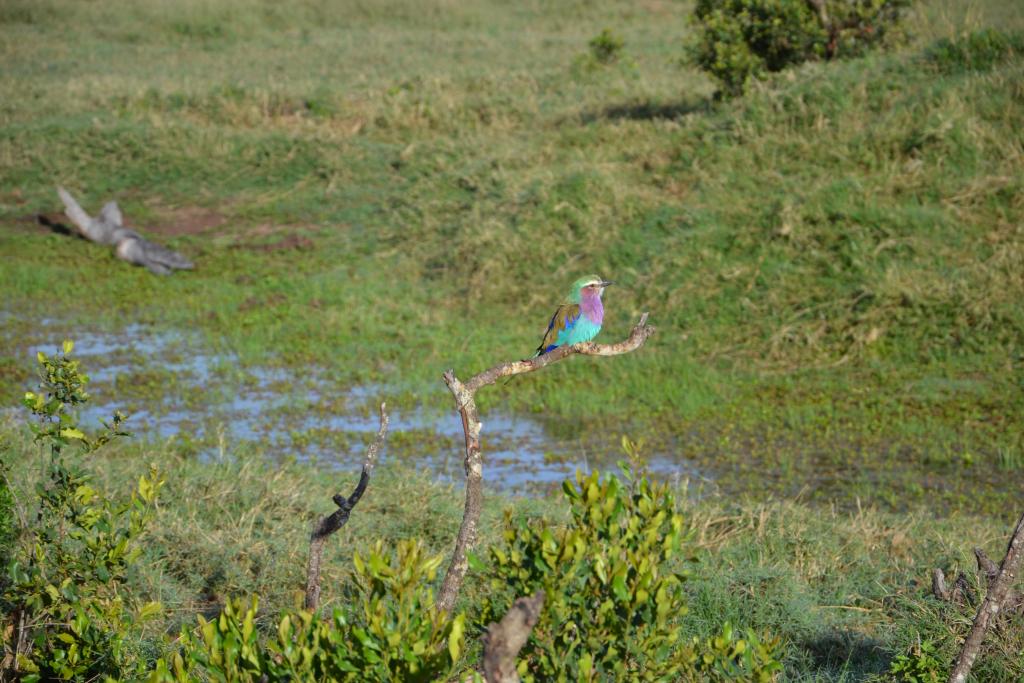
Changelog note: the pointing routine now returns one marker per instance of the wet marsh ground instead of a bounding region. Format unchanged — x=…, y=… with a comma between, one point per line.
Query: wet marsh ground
x=376, y=192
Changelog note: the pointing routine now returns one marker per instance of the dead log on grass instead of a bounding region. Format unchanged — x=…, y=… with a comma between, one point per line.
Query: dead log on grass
x=337, y=519
x=465, y=403
x=108, y=229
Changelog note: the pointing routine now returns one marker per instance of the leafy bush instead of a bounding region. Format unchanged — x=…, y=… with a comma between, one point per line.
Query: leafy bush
x=742, y=40
x=8, y=523
x=606, y=47
x=919, y=665
x=612, y=598
x=978, y=51
x=392, y=634
x=63, y=602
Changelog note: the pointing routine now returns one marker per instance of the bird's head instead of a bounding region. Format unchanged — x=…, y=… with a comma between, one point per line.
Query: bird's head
x=588, y=285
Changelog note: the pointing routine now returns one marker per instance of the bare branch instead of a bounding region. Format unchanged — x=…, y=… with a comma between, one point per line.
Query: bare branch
x=465, y=403
x=504, y=640
x=337, y=519
x=998, y=591
x=636, y=339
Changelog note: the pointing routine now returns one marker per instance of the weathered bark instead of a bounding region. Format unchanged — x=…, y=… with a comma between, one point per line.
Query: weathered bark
x=998, y=591
x=337, y=519
x=465, y=403
x=505, y=639
x=939, y=588
x=108, y=229
x=986, y=566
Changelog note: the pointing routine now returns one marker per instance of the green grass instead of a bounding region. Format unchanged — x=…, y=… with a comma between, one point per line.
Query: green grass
x=833, y=261
x=845, y=591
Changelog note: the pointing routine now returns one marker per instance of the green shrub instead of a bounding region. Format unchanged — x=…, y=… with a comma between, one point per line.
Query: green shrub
x=65, y=610
x=978, y=51
x=606, y=47
x=919, y=665
x=613, y=599
x=742, y=40
x=8, y=523
x=392, y=633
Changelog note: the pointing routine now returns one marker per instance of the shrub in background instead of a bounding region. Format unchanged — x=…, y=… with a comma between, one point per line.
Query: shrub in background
x=978, y=51
x=612, y=598
x=606, y=47
x=742, y=40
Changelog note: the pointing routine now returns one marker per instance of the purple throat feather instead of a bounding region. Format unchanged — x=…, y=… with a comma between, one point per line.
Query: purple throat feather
x=591, y=306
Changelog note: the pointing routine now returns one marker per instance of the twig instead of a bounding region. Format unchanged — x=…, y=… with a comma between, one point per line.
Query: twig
x=17, y=501
x=337, y=519
x=465, y=403
x=986, y=565
x=504, y=640
x=998, y=589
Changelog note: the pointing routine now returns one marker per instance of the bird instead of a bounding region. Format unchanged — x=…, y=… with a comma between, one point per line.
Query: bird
x=579, y=318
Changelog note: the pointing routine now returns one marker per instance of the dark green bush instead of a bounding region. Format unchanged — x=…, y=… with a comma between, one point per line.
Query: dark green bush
x=613, y=596
x=978, y=51
x=606, y=47
x=742, y=40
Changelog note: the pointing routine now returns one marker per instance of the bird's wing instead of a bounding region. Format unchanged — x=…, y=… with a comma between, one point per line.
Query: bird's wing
x=563, y=320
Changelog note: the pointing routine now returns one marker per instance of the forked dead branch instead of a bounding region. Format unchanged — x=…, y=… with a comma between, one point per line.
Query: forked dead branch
x=108, y=229
x=465, y=403
x=998, y=596
x=337, y=519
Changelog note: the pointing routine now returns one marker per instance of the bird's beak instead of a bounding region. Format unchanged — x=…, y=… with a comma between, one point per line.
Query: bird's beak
x=605, y=283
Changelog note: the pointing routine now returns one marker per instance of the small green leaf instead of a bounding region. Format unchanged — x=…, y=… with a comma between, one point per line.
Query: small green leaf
x=72, y=433
x=475, y=563
x=150, y=609
x=455, y=637
x=586, y=665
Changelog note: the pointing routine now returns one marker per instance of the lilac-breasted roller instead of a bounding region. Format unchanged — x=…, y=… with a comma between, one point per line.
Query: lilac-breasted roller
x=579, y=318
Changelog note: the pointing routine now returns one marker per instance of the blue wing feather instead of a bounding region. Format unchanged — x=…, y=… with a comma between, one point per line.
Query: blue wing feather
x=564, y=319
